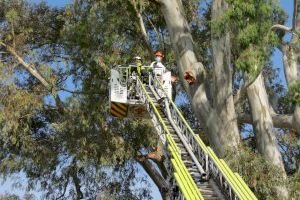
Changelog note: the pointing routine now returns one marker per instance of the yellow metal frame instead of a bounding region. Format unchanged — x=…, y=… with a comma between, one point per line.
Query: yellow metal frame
x=184, y=180
x=234, y=179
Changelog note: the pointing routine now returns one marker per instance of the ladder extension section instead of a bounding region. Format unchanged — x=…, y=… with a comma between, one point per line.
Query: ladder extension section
x=196, y=170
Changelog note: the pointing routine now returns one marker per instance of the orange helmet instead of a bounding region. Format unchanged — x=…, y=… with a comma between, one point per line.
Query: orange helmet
x=159, y=53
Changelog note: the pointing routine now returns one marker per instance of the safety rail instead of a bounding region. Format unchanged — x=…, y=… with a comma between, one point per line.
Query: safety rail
x=184, y=180
x=229, y=183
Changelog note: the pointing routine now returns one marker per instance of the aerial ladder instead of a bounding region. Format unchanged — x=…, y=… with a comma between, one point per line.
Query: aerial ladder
x=194, y=170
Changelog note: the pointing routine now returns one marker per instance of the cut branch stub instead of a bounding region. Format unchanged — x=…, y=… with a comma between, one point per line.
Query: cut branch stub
x=189, y=77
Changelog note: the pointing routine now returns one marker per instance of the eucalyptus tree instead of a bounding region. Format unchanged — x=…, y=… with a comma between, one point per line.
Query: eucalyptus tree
x=55, y=67
x=240, y=41
x=61, y=138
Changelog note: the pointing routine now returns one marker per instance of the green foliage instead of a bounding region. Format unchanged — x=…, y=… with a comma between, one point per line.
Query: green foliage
x=293, y=94
x=76, y=47
x=249, y=23
x=251, y=61
x=294, y=185
x=260, y=175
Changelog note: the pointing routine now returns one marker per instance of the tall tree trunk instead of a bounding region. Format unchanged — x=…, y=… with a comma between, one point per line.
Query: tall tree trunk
x=292, y=74
x=223, y=98
x=291, y=64
x=182, y=44
x=262, y=121
x=263, y=126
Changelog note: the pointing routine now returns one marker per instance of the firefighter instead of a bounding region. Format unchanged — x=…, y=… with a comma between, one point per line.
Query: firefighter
x=138, y=64
x=158, y=67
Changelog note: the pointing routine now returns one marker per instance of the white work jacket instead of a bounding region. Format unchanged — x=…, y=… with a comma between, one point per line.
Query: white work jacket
x=158, y=68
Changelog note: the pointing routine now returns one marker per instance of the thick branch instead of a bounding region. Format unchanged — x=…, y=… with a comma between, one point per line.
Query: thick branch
x=154, y=174
x=291, y=72
x=281, y=27
x=143, y=28
x=30, y=68
x=34, y=72
x=279, y=121
x=295, y=38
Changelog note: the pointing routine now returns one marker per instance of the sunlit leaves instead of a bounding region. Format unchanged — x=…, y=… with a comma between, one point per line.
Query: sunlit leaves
x=259, y=174
x=293, y=94
x=250, y=23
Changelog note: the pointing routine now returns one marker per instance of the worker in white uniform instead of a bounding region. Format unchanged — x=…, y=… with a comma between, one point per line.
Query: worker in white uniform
x=157, y=66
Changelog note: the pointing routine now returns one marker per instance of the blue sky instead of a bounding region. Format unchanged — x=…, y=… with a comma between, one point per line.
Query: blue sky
x=277, y=61
x=58, y=3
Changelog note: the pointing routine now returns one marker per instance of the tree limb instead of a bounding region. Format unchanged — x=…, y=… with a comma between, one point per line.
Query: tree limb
x=65, y=189
x=143, y=28
x=241, y=92
x=279, y=121
x=153, y=173
x=295, y=38
x=76, y=180
x=281, y=27
x=34, y=72
x=30, y=68
x=155, y=29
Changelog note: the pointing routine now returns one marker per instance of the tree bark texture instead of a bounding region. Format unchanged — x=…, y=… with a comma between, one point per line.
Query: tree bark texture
x=182, y=44
x=279, y=121
x=263, y=124
x=291, y=65
x=223, y=98
x=292, y=74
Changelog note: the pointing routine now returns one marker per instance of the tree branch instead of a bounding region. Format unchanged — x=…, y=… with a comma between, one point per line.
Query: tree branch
x=153, y=173
x=76, y=180
x=295, y=38
x=279, y=121
x=281, y=27
x=155, y=29
x=34, y=72
x=143, y=28
x=65, y=189
x=241, y=92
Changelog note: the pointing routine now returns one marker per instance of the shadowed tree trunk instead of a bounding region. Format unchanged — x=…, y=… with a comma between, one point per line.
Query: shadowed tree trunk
x=263, y=126
x=262, y=121
x=291, y=61
x=292, y=74
x=223, y=98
